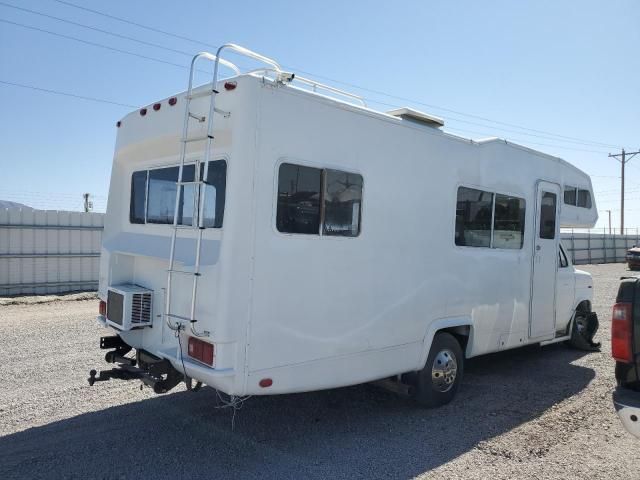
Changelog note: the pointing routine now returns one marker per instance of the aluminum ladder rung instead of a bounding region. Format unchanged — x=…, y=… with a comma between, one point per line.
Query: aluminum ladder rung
x=197, y=139
x=185, y=272
x=197, y=182
x=204, y=93
x=180, y=317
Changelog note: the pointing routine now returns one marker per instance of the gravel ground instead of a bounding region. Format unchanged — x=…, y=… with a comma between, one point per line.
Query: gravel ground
x=528, y=413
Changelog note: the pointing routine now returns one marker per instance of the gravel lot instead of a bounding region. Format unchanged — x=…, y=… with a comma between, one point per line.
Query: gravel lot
x=528, y=413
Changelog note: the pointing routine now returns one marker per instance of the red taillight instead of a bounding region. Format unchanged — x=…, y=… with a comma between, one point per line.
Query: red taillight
x=156, y=107
x=201, y=351
x=173, y=101
x=230, y=85
x=621, y=332
x=143, y=112
x=102, y=308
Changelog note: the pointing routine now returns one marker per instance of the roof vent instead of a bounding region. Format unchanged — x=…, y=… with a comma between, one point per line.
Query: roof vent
x=415, y=116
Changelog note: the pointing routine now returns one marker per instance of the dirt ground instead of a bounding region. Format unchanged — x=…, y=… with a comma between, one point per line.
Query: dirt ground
x=538, y=412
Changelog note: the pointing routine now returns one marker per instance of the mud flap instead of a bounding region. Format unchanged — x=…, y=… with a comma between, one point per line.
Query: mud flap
x=583, y=330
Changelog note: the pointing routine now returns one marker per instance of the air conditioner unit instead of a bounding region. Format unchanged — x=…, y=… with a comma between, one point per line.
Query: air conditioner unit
x=129, y=306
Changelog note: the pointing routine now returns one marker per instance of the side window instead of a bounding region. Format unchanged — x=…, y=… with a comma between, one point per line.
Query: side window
x=215, y=191
x=548, y=216
x=161, y=196
x=584, y=198
x=153, y=195
x=473, y=217
x=570, y=195
x=342, y=203
x=508, y=222
x=138, y=196
x=298, y=208
x=562, y=258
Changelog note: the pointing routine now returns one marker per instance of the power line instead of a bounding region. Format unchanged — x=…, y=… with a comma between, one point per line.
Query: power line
x=95, y=44
x=67, y=94
x=377, y=92
x=182, y=52
x=90, y=27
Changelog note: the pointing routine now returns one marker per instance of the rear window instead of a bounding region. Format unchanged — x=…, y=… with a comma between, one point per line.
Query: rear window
x=153, y=195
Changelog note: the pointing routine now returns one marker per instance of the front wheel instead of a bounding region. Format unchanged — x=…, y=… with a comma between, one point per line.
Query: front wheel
x=438, y=382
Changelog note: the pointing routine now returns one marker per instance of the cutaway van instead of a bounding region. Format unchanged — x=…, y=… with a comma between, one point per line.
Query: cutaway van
x=268, y=234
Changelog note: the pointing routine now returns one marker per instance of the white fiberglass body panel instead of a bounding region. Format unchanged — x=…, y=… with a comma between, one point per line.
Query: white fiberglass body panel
x=318, y=311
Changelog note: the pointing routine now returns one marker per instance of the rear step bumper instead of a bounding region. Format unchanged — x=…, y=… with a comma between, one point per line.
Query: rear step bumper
x=627, y=404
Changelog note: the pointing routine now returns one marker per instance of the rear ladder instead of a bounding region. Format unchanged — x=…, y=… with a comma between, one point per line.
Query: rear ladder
x=199, y=193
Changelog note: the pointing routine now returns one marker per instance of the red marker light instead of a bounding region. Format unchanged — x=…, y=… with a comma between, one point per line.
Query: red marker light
x=102, y=308
x=156, y=106
x=173, y=101
x=265, y=382
x=143, y=112
x=230, y=85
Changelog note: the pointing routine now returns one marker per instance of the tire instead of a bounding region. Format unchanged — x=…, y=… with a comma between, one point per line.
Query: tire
x=438, y=382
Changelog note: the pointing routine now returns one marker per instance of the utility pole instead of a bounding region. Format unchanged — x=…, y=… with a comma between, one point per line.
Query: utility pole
x=623, y=158
x=88, y=205
x=609, y=212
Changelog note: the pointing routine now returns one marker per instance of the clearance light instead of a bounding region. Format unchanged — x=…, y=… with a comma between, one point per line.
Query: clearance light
x=201, y=351
x=102, y=308
x=156, y=107
x=173, y=101
x=621, y=333
x=265, y=382
x=143, y=112
x=118, y=123
x=230, y=85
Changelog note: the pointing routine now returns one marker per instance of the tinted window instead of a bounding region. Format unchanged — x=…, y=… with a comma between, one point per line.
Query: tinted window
x=570, y=195
x=584, y=198
x=214, y=195
x=548, y=216
x=138, y=196
x=508, y=222
x=342, y=203
x=473, y=217
x=299, y=190
x=161, y=196
x=562, y=258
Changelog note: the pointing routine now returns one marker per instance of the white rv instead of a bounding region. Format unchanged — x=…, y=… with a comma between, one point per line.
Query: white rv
x=268, y=234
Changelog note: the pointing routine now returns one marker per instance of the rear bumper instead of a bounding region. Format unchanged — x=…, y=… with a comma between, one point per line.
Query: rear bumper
x=627, y=404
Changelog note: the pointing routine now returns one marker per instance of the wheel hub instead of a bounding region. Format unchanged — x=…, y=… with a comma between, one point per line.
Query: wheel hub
x=444, y=370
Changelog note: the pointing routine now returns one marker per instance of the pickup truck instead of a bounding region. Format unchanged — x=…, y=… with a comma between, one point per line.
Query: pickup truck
x=633, y=258
x=625, y=349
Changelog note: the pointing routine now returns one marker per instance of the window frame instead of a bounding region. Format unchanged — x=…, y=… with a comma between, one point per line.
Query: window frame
x=494, y=194
x=323, y=168
x=157, y=167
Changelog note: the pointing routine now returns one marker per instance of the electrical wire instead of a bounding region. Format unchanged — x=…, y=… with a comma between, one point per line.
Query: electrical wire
x=377, y=92
x=67, y=94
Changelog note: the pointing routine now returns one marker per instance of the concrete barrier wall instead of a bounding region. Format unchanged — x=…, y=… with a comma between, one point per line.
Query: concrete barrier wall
x=589, y=247
x=46, y=251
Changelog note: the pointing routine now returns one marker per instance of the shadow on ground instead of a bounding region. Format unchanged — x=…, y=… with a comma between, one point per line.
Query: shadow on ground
x=352, y=432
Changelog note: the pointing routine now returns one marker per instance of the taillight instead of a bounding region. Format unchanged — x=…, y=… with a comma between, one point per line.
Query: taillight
x=621, y=332
x=201, y=351
x=102, y=308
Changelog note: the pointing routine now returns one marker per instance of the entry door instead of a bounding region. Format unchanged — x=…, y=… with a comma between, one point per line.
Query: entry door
x=542, y=320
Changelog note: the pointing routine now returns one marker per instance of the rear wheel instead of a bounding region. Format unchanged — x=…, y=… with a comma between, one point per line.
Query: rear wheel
x=438, y=382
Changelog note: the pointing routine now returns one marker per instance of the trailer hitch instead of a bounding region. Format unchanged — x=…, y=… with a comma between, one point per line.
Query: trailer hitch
x=157, y=373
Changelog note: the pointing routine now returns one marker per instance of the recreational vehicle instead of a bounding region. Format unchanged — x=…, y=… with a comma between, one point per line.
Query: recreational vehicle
x=268, y=234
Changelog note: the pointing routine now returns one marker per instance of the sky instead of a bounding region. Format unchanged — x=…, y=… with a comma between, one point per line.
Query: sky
x=558, y=76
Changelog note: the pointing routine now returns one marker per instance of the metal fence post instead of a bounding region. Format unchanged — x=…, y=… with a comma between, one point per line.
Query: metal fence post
x=604, y=244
